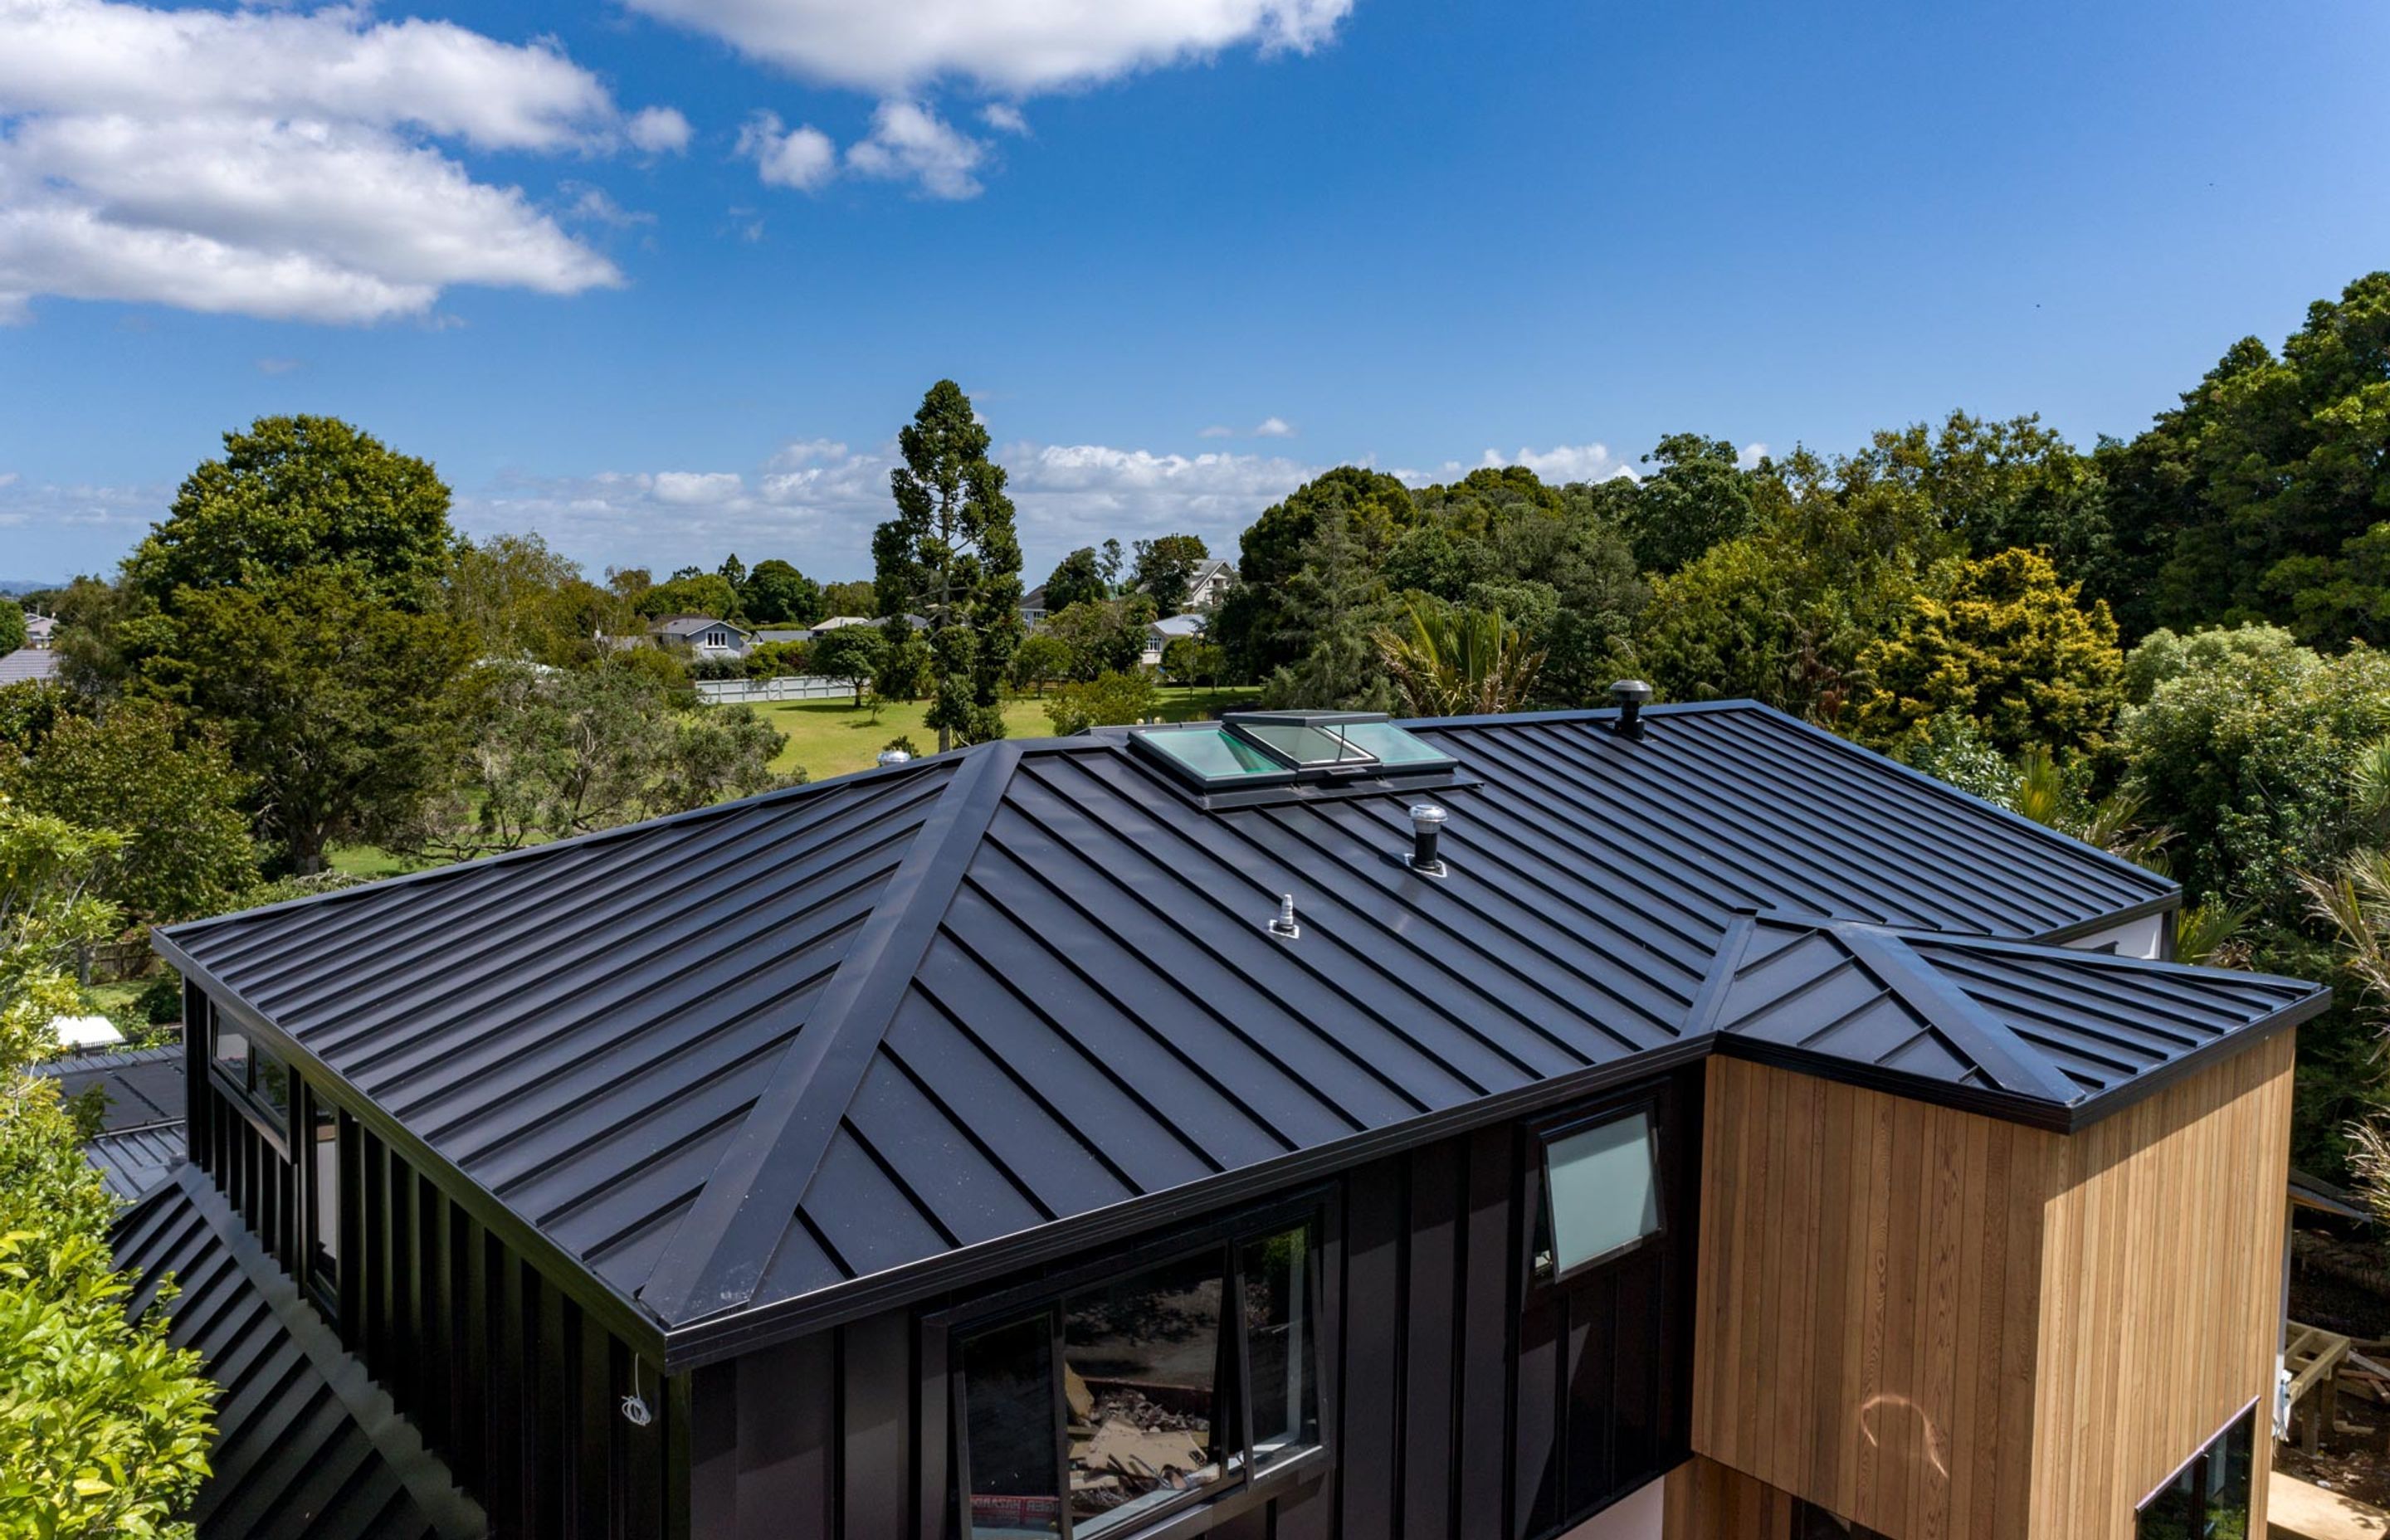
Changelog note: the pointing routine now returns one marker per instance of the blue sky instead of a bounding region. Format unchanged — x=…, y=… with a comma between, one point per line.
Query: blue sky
x=1201, y=248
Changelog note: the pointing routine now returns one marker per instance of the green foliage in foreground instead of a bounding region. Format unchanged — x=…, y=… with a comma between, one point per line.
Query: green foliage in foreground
x=104, y=1426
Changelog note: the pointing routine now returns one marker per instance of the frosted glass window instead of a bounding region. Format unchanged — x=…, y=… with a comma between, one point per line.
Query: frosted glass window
x=1603, y=1191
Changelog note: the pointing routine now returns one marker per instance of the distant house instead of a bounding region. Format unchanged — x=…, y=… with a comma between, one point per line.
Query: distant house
x=1161, y=633
x=40, y=629
x=1210, y=585
x=782, y=633
x=702, y=635
x=878, y=623
x=1033, y=606
x=37, y=664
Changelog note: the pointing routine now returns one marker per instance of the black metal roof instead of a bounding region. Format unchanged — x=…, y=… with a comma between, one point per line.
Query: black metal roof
x=2032, y=1032
x=306, y=1446
x=138, y=1088
x=769, y=1062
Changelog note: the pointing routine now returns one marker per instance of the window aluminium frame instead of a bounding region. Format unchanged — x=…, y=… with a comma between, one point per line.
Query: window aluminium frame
x=1541, y=1228
x=242, y=1091
x=1191, y=1512
x=323, y=1263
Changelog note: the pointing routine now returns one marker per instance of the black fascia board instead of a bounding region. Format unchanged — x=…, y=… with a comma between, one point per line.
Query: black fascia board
x=618, y=1311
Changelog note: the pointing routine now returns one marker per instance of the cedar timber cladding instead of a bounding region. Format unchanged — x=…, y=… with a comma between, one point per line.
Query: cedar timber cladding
x=1938, y=1324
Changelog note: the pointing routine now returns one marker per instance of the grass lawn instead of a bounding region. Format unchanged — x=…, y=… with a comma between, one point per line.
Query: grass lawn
x=372, y=860
x=830, y=739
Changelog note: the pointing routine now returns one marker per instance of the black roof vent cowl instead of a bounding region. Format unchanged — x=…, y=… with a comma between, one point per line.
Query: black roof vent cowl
x=1427, y=822
x=1629, y=696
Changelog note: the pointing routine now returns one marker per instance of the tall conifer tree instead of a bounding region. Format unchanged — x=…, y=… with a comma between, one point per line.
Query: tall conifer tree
x=951, y=556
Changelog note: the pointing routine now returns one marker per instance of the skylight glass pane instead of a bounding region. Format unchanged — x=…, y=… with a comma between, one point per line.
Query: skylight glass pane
x=1393, y=747
x=1211, y=754
x=1603, y=1191
x=1300, y=742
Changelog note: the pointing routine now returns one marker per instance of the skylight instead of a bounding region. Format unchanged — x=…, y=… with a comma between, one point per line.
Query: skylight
x=1259, y=749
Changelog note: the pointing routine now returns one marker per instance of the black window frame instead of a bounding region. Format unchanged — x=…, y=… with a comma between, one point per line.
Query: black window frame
x=323, y=1284
x=273, y=1121
x=1193, y=1511
x=1538, y=1229
x=2196, y=1467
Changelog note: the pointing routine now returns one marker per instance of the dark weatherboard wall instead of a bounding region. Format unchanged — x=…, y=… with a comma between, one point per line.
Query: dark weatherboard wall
x=1462, y=1398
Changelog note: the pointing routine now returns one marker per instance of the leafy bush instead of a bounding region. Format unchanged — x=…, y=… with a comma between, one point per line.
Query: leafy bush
x=1109, y=700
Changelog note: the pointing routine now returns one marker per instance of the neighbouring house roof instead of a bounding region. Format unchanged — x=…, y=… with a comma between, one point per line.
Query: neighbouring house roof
x=685, y=626
x=142, y=1106
x=772, y=1063
x=40, y=629
x=307, y=1447
x=39, y=664
x=2035, y=1033
x=784, y=634
x=1205, y=570
x=1171, y=627
x=1034, y=598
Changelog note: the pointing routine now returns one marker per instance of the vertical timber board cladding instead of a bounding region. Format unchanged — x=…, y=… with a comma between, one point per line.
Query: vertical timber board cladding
x=1871, y=1273
x=1944, y=1327
x=2162, y=1271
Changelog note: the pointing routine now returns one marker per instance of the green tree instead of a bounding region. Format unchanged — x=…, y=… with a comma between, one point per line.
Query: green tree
x=2162, y=655
x=860, y=598
x=2259, y=497
x=1697, y=497
x=12, y=625
x=776, y=593
x=1341, y=601
x=334, y=702
x=104, y=1426
x=302, y=495
x=510, y=592
x=167, y=787
x=1041, y=659
x=850, y=653
x=1105, y=636
x=707, y=593
x=1451, y=661
x=1107, y=567
x=1263, y=623
x=1111, y=699
x=1165, y=570
x=1076, y=578
x=906, y=663
x=2255, y=758
x=2005, y=641
x=951, y=555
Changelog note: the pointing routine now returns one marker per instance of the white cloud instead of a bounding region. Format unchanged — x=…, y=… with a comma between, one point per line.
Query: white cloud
x=597, y=206
x=1751, y=455
x=815, y=503
x=1004, y=117
x=658, y=131
x=1012, y=47
x=910, y=143
x=1274, y=427
x=280, y=163
x=802, y=157
x=1217, y=431
x=1559, y=464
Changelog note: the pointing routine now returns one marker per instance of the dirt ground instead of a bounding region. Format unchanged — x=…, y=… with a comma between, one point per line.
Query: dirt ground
x=2324, y=1293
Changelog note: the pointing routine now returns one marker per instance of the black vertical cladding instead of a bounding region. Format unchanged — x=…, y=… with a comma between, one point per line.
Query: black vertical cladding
x=1461, y=1400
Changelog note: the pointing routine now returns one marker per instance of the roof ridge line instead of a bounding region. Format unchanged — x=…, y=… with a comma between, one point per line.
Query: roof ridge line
x=717, y=1255
x=2012, y=1064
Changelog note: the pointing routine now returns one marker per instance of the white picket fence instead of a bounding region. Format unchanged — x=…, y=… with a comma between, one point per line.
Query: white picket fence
x=795, y=686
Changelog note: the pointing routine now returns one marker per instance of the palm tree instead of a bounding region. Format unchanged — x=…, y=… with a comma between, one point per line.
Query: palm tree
x=2355, y=904
x=2113, y=823
x=1458, y=662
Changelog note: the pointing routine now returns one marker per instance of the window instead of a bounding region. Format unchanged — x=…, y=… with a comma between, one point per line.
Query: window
x=2208, y=1498
x=1601, y=1193
x=324, y=1213
x=257, y=1079
x=1143, y=1393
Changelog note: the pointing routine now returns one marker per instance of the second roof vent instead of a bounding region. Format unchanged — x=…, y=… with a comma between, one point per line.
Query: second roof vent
x=1629, y=695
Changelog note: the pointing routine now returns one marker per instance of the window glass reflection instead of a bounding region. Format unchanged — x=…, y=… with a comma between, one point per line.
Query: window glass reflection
x=1277, y=1287
x=1009, y=1425
x=1140, y=1379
